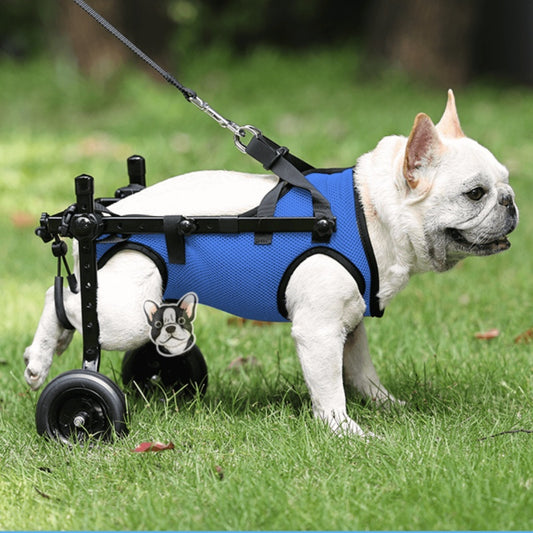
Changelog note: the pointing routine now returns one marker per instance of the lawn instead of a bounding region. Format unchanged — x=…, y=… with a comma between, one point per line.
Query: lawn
x=249, y=455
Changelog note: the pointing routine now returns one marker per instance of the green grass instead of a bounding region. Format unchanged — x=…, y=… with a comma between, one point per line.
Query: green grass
x=249, y=454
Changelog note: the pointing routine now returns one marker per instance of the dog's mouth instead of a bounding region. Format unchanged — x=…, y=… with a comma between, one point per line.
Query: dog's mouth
x=480, y=247
x=170, y=337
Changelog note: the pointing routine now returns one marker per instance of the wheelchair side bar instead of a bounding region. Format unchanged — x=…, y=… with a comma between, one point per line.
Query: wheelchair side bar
x=85, y=228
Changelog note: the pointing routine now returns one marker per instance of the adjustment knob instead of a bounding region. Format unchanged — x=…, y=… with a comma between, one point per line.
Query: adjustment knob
x=187, y=227
x=324, y=227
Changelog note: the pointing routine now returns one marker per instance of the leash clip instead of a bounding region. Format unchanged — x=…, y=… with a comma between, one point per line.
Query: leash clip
x=239, y=132
x=243, y=131
x=206, y=108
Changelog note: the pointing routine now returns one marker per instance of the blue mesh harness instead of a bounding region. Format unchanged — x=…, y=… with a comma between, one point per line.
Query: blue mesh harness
x=233, y=273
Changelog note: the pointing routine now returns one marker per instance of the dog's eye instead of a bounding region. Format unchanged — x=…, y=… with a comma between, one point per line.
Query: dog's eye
x=181, y=321
x=157, y=324
x=476, y=194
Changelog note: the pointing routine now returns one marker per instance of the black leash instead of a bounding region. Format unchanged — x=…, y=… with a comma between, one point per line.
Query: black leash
x=187, y=93
x=271, y=155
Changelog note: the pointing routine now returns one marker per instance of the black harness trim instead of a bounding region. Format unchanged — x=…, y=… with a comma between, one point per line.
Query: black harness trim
x=371, y=258
x=174, y=238
x=375, y=310
x=337, y=256
x=291, y=171
x=136, y=247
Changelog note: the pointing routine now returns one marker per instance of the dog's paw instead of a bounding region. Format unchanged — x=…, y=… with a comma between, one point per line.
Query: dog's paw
x=388, y=402
x=36, y=370
x=34, y=378
x=348, y=428
x=344, y=426
x=381, y=398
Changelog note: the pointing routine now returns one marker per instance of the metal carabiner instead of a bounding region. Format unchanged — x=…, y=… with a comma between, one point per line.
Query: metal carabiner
x=215, y=115
x=242, y=133
x=239, y=132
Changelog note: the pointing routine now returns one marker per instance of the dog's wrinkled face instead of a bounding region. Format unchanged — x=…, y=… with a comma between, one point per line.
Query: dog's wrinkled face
x=476, y=212
x=468, y=204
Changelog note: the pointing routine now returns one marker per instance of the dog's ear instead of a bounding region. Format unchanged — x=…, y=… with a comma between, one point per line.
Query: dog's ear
x=449, y=125
x=150, y=309
x=188, y=304
x=423, y=149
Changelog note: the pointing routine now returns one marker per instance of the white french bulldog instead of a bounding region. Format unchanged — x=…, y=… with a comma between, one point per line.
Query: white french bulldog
x=429, y=200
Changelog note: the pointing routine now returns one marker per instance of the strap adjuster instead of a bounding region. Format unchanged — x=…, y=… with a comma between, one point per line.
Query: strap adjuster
x=282, y=151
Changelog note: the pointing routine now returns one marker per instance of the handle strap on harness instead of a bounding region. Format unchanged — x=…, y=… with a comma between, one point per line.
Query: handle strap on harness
x=290, y=169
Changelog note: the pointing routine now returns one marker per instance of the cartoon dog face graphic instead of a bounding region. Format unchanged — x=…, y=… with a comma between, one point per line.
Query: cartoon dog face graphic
x=171, y=325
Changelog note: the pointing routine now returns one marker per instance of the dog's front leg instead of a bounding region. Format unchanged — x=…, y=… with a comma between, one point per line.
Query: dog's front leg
x=50, y=337
x=320, y=352
x=324, y=303
x=359, y=371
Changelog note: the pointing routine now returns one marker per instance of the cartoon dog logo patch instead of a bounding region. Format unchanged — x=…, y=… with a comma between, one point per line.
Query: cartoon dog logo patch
x=171, y=328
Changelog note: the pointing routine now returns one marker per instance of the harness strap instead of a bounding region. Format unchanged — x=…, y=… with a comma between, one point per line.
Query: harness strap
x=290, y=170
x=60, y=305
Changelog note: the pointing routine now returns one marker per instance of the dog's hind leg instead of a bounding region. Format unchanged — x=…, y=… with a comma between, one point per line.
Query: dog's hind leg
x=124, y=284
x=359, y=371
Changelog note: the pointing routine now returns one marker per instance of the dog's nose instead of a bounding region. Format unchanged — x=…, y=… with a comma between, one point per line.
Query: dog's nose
x=505, y=199
x=170, y=329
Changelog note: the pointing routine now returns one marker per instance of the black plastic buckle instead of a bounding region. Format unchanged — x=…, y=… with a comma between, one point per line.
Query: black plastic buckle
x=42, y=231
x=66, y=219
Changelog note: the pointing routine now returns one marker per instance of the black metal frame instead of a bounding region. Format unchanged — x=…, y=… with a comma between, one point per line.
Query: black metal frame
x=88, y=219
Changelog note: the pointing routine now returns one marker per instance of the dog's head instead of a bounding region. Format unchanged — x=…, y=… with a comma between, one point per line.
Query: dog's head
x=171, y=325
x=458, y=189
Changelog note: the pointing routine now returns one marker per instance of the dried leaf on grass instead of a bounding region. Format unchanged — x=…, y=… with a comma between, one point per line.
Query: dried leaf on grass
x=510, y=432
x=525, y=337
x=489, y=334
x=219, y=472
x=42, y=494
x=153, y=447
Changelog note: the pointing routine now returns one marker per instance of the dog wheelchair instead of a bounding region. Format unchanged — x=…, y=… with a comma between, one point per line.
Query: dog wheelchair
x=83, y=403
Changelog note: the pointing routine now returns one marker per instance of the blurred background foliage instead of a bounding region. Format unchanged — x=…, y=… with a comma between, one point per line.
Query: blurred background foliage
x=442, y=42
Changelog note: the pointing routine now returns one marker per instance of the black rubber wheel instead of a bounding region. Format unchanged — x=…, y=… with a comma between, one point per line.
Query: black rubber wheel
x=149, y=370
x=80, y=405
